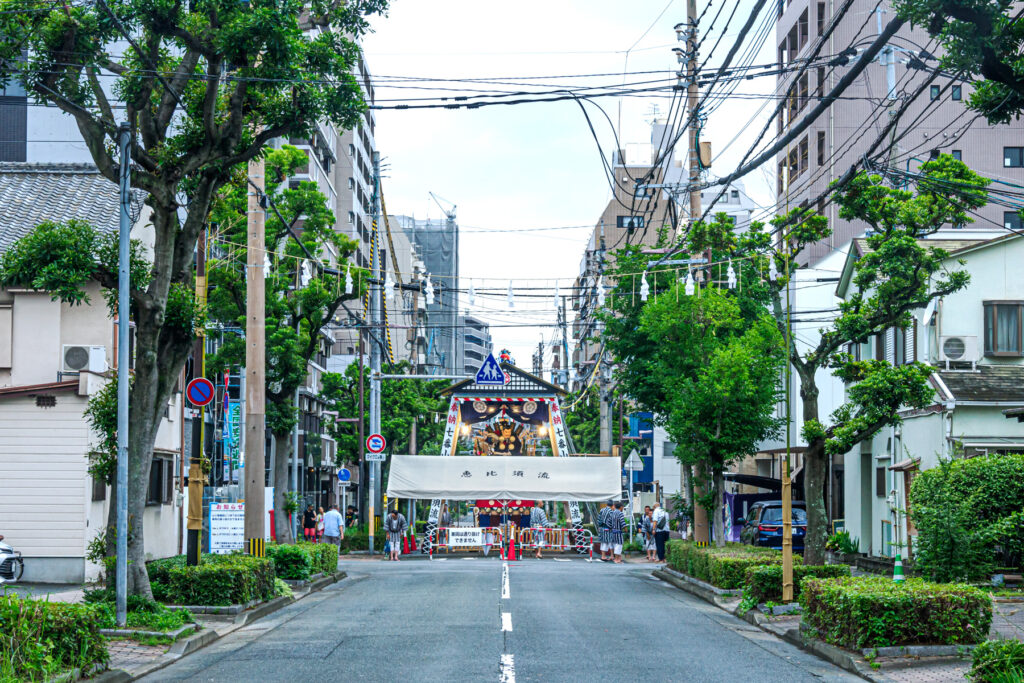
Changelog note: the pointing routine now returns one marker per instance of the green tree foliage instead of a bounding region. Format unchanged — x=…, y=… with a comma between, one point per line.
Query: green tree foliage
x=300, y=296
x=583, y=420
x=205, y=85
x=969, y=515
x=978, y=37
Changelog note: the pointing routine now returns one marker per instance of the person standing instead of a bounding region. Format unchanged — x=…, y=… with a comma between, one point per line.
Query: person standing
x=334, y=527
x=538, y=525
x=616, y=527
x=309, y=523
x=602, y=530
x=350, y=516
x=647, y=530
x=446, y=517
x=319, y=524
x=660, y=519
x=395, y=525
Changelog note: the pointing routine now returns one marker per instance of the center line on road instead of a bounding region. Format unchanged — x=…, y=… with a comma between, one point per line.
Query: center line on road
x=506, y=621
x=506, y=593
x=508, y=669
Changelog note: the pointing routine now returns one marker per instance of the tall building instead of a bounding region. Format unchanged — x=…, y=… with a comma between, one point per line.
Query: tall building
x=937, y=122
x=474, y=343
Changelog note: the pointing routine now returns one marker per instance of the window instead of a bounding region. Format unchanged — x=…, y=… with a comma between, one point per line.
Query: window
x=933, y=92
x=1012, y=220
x=803, y=155
x=821, y=148
x=956, y=93
x=161, y=482
x=734, y=194
x=1003, y=328
x=99, y=489
x=803, y=28
x=629, y=222
x=351, y=183
x=899, y=346
x=1013, y=157
x=821, y=18
x=957, y=154
x=351, y=216
x=641, y=192
x=802, y=92
x=880, y=487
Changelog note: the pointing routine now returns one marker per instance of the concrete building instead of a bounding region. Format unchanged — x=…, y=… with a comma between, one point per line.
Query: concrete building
x=53, y=357
x=474, y=343
x=972, y=339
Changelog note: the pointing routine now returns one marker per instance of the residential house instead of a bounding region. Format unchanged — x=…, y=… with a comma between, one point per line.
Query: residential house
x=973, y=341
x=53, y=357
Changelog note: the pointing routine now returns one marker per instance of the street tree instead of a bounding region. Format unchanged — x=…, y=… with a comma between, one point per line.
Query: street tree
x=301, y=296
x=205, y=86
x=583, y=419
x=900, y=273
x=978, y=37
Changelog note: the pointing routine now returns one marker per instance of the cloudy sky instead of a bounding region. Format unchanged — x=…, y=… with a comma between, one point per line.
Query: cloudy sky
x=511, y=170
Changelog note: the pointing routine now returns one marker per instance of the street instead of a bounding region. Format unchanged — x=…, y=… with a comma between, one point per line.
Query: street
x=447, y=620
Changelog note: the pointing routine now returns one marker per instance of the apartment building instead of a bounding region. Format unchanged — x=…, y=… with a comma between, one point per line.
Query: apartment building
x=475, y=343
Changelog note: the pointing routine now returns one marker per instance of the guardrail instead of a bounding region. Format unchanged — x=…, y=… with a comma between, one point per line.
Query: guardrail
x=555, y=538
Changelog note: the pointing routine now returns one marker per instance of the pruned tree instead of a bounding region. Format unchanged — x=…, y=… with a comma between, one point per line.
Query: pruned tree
x=205, y=85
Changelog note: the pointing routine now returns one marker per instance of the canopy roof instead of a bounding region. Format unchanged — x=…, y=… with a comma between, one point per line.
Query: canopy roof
x=522, y=384
x=474, y=477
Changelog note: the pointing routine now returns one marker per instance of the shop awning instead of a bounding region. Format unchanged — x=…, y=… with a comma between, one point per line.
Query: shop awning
x=472, y=477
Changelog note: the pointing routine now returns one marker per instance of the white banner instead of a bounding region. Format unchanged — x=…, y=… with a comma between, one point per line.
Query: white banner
x=472, y=536
x=473, y=477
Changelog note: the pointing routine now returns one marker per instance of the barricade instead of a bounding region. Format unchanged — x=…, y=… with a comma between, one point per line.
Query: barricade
x=553, y=538
x=491, y=536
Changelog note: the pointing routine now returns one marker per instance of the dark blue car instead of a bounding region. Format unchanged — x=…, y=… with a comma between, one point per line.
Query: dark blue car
x=763, y=525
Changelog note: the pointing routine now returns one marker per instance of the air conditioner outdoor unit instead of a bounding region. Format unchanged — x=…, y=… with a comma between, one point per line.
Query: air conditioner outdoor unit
x=958, y=349
x=80, y=357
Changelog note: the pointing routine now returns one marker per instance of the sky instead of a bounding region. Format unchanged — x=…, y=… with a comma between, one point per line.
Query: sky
x=511, y=170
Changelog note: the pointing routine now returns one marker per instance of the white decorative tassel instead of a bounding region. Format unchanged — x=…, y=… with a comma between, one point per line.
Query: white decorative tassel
x=600, y=291
x=511, y=299
x=472, y=294
x=349, y=285
x=389, y=287
x=688, y=287
x=304, y=275
x=430, y=291
x=267, y=265
x=557, y=297
x=645, y=289
x=773, y=272
x=730, y=276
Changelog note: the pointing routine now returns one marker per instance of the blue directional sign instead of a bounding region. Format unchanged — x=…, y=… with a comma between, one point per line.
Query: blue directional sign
x=490, y=372
x=344, y=474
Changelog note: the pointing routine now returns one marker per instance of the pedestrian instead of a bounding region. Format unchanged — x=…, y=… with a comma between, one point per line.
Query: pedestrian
x=350, y=516
x=647, y=530
x=319, y=524
x=446, y=517
x=602, y=530
x=538, y=525
x=309, y=523
x=616, y=526
x=660, y=519
x=334, y=529
x=395, y=525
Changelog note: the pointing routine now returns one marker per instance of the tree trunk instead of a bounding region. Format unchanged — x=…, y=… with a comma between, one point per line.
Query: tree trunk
x=719, y=523
x=815, y=474
x=282, y=449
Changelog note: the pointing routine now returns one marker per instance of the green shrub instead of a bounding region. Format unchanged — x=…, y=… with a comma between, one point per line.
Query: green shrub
x=282, y=589
x=39, y=639
x=358, y=538
x=968, y=517
x=292, y=562
x=998, y=661
x=843, y=542
x=218, y=580
x=721, y=567
x=323, y=555
x=859, y=612
x=143, y=614
x=764, y=582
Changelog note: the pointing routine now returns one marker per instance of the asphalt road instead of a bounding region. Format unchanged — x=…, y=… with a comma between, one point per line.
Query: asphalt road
x=448, y=621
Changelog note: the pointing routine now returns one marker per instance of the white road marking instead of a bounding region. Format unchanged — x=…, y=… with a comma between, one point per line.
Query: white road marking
x=508, y=669
x=506, y=621
x=505, y=588
x=561, y=559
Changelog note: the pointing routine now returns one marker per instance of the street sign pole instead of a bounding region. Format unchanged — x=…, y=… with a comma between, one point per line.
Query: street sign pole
x=376, y=338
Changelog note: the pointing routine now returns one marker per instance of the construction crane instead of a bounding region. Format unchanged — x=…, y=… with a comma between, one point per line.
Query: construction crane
x=448, y=213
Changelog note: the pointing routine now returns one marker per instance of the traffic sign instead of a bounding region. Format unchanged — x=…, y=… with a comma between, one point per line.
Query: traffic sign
x=375, y=457
x=344, y=475
x=375, y=443
x=200, y=391
x=633, y=462
x=490, y=373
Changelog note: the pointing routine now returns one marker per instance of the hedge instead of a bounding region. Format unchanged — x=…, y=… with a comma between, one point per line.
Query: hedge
x=218, y=580
x=996, y=661
x=357, y=538
x=859, y=612
x=323, y=555
x=764, y=582
x=291, y=561
x=721, y=567
x=39, y=639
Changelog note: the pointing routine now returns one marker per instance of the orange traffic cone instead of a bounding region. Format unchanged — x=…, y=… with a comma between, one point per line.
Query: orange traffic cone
x=414, y=548
x=405, y=545
x=512, y=548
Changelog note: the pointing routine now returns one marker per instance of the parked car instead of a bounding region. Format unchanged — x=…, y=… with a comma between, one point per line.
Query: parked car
x=763, y=525
x=11, y=564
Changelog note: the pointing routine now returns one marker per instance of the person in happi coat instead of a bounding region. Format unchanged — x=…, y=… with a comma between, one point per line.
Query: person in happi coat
x=395, y=526
x=602, y=530
x=538, y=523
x=616, y=528
x=647, y=531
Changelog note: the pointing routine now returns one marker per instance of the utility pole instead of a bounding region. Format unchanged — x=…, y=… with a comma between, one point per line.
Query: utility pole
x=123, y=375
x=255, y=357
x=375, y=339
x=565, y=348
x=362, y=435
x=605, y=412
x=196, y=478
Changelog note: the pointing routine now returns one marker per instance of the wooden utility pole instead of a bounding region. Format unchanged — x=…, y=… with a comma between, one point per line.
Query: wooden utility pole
x=255, y=357
x=196, y=478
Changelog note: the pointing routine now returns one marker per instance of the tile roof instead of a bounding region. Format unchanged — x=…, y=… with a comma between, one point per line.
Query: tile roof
x=988, y=383
x=861, y=244
x=31, y=193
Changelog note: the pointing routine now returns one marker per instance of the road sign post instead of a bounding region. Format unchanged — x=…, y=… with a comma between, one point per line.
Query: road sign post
x=200, y=392
x=375, y=445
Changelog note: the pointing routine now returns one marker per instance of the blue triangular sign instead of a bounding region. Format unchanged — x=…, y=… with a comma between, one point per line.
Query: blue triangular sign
x=490, y=372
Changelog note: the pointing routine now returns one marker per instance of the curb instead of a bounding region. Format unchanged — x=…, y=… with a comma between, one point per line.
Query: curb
x=695, y=587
